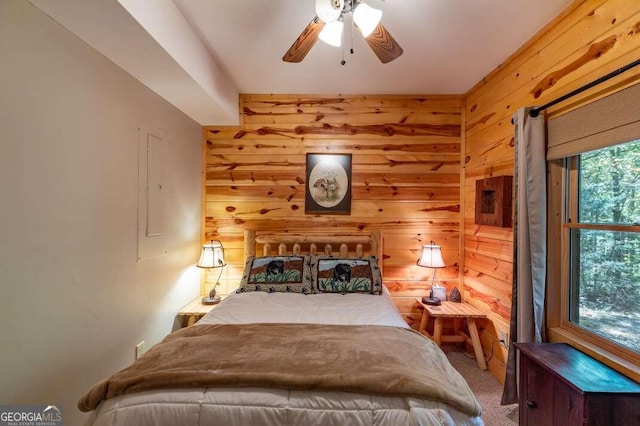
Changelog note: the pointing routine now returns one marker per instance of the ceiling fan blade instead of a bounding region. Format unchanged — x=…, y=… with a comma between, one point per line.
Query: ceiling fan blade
x=383, y=44
x=304, y=42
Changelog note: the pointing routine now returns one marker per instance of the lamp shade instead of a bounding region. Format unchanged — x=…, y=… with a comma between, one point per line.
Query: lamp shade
x=212, y=255
x=431, y=257
x=366, y=18
x=332, y=33
x=329, y=10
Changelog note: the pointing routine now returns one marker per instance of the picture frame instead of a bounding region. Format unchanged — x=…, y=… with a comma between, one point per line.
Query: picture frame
x=328, y=184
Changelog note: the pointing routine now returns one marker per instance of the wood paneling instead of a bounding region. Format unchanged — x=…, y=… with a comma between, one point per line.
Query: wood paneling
x=590, y=39
x=406, y=154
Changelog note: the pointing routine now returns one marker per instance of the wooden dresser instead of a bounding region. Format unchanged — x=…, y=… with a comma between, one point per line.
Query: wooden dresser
x=562, y=386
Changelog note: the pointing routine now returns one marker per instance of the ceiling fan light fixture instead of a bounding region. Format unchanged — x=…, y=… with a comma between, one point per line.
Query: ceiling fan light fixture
x=329, y=28
x=366, y=18
x=329, y=10
x=332, y=33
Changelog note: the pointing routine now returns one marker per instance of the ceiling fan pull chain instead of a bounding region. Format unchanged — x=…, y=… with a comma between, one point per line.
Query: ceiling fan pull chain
x=342, y=62
x=352, y=25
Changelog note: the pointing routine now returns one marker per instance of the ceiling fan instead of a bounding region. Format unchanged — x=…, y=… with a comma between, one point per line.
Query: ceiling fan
x=328, y=25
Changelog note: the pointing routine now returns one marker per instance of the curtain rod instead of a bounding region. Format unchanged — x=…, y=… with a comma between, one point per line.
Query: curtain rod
x=534, y=112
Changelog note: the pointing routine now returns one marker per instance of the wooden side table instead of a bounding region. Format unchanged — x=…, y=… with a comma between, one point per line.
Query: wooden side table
x=452, y=310
x=194, y=311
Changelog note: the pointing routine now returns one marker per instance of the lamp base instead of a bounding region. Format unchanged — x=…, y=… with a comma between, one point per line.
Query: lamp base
x=207, y=300
x=431, y=301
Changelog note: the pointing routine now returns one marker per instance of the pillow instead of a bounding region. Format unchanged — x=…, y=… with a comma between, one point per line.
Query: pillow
x=276, y=274
x=336, y=275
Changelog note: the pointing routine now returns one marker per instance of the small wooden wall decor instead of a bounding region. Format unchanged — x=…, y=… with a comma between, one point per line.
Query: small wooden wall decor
x=328, y=188
x=493, y=201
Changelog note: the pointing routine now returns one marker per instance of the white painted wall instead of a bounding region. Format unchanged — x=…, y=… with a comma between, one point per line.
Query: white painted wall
x=74, y=301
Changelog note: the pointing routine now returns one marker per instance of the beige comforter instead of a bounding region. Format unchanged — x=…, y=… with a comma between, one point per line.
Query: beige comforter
x=377, y=360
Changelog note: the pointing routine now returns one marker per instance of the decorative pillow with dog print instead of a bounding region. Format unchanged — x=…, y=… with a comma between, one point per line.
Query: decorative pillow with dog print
x=277, y=274
x=336, y=275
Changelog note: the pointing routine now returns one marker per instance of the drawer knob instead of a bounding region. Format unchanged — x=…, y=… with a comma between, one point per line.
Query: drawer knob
x=531, y=404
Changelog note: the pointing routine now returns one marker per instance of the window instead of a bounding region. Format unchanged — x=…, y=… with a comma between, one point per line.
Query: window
x=593, y=267
x=602, y=217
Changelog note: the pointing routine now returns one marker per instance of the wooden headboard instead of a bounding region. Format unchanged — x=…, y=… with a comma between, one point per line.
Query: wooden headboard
x=348, y=245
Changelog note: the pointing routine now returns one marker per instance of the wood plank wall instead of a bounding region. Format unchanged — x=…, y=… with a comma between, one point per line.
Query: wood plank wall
x=590, y=39
x=406, y=156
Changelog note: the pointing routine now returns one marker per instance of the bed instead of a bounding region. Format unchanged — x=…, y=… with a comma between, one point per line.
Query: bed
x=265, y=356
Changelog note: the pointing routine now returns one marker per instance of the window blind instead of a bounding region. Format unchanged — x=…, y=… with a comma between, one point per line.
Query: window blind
x=608, y=121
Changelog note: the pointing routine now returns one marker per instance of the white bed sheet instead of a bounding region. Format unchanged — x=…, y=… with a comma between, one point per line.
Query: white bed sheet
x=260, y=406
x=351, y=308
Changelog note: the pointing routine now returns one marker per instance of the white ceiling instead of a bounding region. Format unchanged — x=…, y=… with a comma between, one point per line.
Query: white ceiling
x=199, y=54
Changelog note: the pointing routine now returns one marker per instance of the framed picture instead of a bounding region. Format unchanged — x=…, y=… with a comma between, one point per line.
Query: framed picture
x=328, y=184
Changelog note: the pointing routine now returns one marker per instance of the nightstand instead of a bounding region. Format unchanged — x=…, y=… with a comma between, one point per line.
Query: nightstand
x=453, y=310
x=194, y=311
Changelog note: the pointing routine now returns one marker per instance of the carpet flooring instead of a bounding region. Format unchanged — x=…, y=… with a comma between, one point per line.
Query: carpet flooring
x=487, y=389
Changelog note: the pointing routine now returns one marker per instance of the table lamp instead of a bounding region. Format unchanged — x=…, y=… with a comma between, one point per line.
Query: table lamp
x=431, y=257
x=212, y=256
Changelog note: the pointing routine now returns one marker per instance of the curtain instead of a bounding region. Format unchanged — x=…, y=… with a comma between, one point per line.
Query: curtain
x=529, y=241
